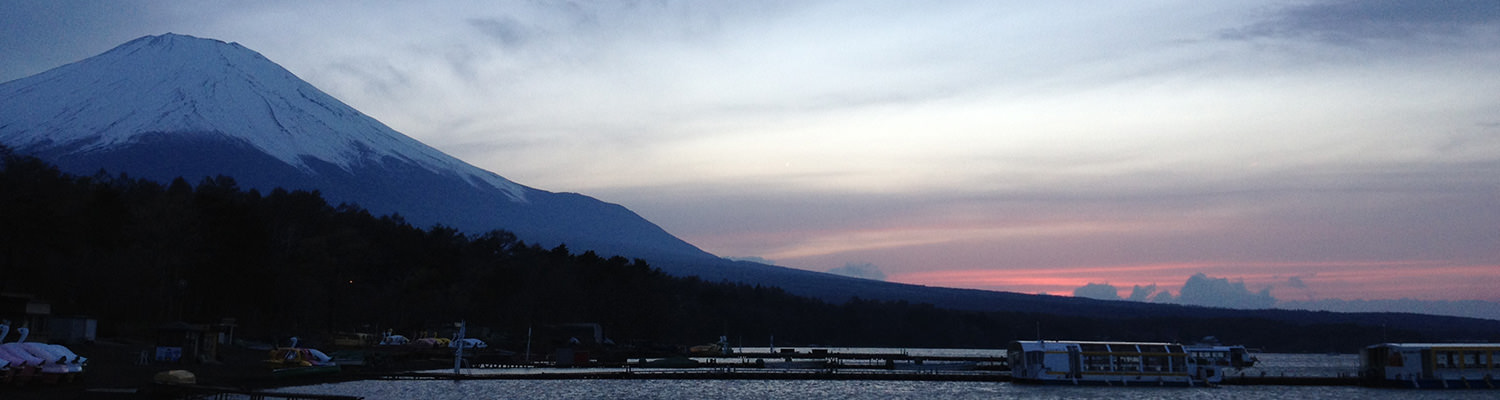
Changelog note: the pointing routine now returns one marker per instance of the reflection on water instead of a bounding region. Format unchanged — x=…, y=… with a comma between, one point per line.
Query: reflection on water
x=1271, y=364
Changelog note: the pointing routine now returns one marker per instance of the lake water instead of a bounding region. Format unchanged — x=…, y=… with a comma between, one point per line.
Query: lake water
x=1271, y=364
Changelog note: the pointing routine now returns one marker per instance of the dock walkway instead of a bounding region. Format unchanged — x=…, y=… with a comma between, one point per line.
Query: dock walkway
x=721, y=374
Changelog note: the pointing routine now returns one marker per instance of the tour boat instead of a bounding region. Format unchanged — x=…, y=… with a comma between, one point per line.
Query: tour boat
x=1109, y=363
x=1431, y=365
x=1234, y=357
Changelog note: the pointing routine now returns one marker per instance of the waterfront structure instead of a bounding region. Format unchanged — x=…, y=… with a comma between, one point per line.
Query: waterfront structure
x=1431, y=365
x=1220, y=356
x=1110, y=363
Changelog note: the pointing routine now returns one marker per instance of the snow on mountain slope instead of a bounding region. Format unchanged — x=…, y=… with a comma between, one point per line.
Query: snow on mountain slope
x=168, y=106
x=188, y=84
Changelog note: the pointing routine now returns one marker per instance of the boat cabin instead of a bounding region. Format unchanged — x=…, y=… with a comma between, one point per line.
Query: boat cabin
x=1221, y=356
x=1103, y=363
x=1431, y=365
x=1107, y=363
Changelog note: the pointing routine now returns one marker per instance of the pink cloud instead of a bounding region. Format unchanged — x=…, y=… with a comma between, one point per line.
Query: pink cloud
x=1326, y=279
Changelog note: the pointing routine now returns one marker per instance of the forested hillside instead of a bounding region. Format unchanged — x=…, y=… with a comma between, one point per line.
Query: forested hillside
x=135, y=253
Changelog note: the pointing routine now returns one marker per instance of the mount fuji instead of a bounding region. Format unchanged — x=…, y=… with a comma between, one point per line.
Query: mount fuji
x=161, y=107
x=169, y=106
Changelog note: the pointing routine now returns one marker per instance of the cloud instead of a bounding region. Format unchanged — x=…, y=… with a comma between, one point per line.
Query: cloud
x=859, y=270
x=1354, y=22
x=1163, y=297
x=508, y=31
x=1142, y=293
x=1101, y=291
x=1105, y=291
x=1296, y=282
x=1201, y=290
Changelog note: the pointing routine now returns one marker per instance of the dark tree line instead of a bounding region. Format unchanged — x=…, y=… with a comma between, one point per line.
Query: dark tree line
x=136, y=253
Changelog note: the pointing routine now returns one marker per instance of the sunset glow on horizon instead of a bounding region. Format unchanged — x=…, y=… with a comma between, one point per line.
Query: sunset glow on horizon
x=1318, y=149
x=1354, y=280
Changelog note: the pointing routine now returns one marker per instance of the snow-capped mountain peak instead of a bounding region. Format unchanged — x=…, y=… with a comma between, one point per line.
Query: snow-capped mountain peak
x=175, y=106
x=184, y=84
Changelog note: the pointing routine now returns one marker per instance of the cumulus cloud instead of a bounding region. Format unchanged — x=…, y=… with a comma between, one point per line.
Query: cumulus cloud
x=1201, y=290
x=1101, y=291
x=1296, y=282
x=859, y=270
x=1163, y=297
x=1105, y=291
x=1141, y=293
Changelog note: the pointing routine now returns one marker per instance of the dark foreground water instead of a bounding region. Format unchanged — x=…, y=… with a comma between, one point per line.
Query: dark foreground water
x=1271, y=364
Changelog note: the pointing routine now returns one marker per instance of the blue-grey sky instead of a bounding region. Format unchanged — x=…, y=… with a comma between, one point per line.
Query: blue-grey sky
x=1325, y=149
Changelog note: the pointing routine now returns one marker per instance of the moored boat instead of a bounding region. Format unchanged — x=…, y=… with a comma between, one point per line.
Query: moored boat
x=34, y=361
x=1107, y=363
x=20, y=369
x=299, y=361
x=1222, y=357
x=1431, y=365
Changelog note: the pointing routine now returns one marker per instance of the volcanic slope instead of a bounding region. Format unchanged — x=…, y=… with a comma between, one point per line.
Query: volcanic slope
x=166, y=106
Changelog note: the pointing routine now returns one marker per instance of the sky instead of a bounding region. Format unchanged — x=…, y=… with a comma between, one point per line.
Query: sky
x=1303, y=150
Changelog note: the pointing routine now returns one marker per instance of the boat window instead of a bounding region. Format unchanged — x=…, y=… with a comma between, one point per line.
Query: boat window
x=1094, y=347
x=1128, y=363
x=1471, y=360
x=1442, y=359
x=1096, y=363
x=1154, y=363
x=1035, y=357
x=1179, y=363
x=1153, y=348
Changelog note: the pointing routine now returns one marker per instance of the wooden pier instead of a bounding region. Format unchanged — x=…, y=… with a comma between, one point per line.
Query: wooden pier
x=826, y=355
x=723, y=374
x=816, y=364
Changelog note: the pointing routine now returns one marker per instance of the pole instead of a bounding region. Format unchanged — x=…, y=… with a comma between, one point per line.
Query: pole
x=458, y=354
x=528, y=343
